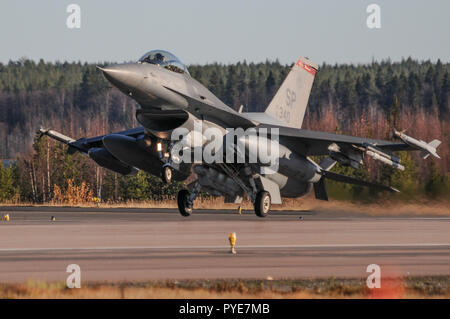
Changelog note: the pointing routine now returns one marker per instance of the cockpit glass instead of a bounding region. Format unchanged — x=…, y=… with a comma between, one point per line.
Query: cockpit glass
x=164, y=59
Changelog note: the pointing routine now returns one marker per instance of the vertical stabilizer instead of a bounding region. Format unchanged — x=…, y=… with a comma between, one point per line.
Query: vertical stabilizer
x=289, y=103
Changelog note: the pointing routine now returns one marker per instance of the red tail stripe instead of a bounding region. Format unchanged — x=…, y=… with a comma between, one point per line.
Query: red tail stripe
x=306, y=67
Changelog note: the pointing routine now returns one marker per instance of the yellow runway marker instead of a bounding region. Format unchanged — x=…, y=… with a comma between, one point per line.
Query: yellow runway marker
x=232, y=240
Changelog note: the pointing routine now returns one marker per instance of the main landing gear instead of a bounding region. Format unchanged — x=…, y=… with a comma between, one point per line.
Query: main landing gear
x=185, y=200
x=258, y=194
x=184, y=205
x=262, y=204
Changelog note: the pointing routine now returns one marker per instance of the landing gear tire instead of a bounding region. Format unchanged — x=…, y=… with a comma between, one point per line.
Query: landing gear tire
x=262, y=204
x=184, y=206
x=166, y=174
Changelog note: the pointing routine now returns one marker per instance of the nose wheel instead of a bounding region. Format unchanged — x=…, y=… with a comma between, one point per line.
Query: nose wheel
x=262, y=204
x=166, y=174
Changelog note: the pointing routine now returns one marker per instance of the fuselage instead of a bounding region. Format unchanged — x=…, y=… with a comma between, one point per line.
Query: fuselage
x=167, y=99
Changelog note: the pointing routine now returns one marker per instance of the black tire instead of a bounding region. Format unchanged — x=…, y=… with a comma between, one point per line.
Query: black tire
x=183, y=207
x=262, y=204
x=166, y=174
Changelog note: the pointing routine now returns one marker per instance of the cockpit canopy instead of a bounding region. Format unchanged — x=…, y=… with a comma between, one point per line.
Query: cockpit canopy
x=164, y=59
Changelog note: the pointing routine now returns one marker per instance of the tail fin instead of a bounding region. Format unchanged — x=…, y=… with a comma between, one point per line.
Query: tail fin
x=435, y=143
x=289, y=103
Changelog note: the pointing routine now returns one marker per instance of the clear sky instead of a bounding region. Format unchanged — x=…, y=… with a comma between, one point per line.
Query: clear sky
x=202, y=31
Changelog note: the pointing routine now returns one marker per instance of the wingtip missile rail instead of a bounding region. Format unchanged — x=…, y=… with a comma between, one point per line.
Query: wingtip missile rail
x=57, y=136
x=74, y=145
x=426, y=148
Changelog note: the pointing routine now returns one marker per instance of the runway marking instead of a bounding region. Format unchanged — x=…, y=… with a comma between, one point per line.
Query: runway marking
x=418, y=245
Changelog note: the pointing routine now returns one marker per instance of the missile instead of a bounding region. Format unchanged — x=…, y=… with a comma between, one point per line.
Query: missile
x=374, y=149
x=379, y=157
x=426, y=148
x=57, y=136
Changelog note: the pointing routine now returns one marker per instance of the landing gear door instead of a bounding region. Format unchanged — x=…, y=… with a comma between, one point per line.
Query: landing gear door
x=266, y=184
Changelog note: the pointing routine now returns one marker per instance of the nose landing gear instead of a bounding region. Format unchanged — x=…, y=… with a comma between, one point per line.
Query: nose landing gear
x=166, y=174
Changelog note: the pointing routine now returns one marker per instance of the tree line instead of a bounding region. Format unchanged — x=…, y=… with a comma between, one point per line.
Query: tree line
x=367, y=100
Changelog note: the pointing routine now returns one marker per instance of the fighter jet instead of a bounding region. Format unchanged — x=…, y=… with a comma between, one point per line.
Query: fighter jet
x=171, y=100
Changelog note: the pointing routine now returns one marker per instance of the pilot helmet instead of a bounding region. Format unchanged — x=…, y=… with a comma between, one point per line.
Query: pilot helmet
x=159, y=57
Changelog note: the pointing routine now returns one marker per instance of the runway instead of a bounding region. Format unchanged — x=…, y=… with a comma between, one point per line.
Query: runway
x=149, y=244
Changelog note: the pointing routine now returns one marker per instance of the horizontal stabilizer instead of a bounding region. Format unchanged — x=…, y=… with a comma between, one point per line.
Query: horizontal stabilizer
x=351, y=180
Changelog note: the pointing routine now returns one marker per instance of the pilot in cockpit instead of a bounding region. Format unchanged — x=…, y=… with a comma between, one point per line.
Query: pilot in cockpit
x=159, y=58
x=164, y=59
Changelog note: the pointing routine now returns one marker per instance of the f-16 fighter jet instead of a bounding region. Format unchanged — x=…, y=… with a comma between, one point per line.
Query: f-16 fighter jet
x=265, y=156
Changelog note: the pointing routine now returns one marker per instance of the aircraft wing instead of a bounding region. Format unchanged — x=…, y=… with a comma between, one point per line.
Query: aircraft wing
x=305, y=142
x=309, y=142
x=84, y=144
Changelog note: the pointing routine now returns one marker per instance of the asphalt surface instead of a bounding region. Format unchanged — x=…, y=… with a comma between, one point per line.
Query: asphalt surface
x=146, y=244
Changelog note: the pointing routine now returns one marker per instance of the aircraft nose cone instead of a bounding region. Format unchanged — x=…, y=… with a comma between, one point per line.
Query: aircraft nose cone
x=123, y=76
